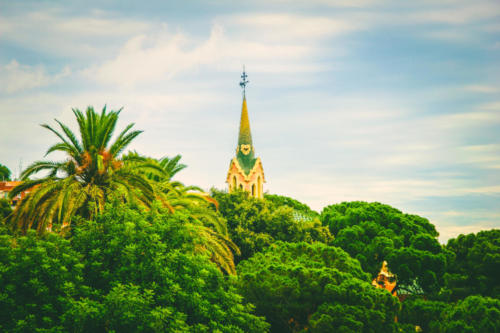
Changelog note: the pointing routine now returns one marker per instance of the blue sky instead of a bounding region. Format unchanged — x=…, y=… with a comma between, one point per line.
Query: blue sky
x=389, y=101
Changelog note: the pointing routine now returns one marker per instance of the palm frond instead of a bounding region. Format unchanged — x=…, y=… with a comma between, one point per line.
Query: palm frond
x=71, y=136
x=171, y=165
x=123, y=142
x=106, y=128
x=25, y=186
x=38, y=166
x=115, y=147
x=218, y=247
x=60, y=136
x=80, y=118
x=61, y=146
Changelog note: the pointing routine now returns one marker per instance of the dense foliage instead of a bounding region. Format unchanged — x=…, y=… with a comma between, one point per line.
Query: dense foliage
x=5, y=209
x=473, y=314
x=127, y=270
x=422, y=312
x=37, y=277
x=315, y=287
x=254, y=224
x=4, y=173
x=120, y=246
x=301, y=211
x=475, y=267
x=373, y=232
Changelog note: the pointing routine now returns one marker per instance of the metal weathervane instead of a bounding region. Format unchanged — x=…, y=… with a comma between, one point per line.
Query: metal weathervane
x=244, y=81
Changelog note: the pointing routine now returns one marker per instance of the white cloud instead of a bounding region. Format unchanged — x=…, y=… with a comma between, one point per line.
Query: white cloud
x=476, y=220
x=495, y=106
x=486, y=156
x=482, y=88
x=469, y=119
x=452, y=35
x=59, y=34
x=150, y=58
x=456, y=21
x=270, y=43
x=333, y=3
x=447, y=232
x=458, y=12
x=285, y=28
x=15, y=77
x=336, y=187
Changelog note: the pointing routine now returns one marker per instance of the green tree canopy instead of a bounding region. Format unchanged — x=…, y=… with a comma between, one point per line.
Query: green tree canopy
x=254, y=224
x=4, y=173
x=474, y=314
x=5, y=209
x=475, y=267
x=425, y=313
x=315, y=287
x=92, y=173
x=38, y=277
x=373, y=232
x=301, y=210
x=126, y=271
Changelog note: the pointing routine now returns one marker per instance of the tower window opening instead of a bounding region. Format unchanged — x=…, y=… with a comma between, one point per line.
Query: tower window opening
x=253, y=190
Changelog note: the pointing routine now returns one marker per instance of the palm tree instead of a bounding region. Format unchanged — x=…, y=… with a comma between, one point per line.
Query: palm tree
x=92, y=173
x=206, y=225
x=209, y=231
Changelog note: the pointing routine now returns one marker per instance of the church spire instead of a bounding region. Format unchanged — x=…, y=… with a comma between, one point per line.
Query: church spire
x=245, y=171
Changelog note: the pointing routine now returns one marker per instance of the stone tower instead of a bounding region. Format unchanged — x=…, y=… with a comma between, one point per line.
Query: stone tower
x=245, y=171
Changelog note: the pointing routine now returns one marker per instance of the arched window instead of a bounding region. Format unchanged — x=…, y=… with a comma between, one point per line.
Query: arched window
x=253, y=190
x=241, y=186
x=234, y=183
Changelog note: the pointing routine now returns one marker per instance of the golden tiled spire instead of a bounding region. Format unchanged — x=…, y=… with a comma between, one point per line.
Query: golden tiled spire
x=245, y=152
x=245, y=136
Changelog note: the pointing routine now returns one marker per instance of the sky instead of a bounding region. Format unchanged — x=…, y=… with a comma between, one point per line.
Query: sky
x=389, y=101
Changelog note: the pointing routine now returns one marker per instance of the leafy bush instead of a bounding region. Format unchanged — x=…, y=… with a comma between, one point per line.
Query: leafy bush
x=255, y=224
x=373, y=232
x=315, y=287
x=300, y=209
x=5, y=209
x=127, y=270
x=422, y=312
x=4, y=173
x=475, y=267
x=38, y=276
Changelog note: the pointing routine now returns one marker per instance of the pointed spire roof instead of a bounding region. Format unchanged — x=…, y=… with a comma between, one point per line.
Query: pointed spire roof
x=245, y=135
x=244, y=151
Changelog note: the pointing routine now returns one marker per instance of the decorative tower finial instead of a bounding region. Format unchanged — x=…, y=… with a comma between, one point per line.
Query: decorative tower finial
x=244, y=81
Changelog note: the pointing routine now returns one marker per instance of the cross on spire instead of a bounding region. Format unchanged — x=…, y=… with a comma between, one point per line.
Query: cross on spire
x=244, y=81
